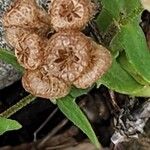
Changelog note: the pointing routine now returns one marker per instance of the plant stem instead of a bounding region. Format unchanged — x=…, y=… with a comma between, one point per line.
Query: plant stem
x=22, y=103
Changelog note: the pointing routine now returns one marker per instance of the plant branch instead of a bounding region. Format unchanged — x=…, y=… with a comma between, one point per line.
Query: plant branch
x=22, y=103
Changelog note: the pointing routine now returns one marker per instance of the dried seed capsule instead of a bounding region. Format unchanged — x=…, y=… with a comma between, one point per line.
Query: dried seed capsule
x=70, y=14
x=100, y=62
x=29, y=48
x=67, y=54
x=40, y=84
x=26, y=14
x=13, y=34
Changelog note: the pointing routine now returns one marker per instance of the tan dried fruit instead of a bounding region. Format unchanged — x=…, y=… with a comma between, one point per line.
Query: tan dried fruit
x=13, y=34
x=26, y=14
x=67, y=54
x=100, y=62
x=70, y=14
x=30, y=50
x=44, y=85
x=68, y=57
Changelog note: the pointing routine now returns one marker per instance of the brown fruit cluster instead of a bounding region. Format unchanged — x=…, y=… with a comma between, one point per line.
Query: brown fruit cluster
x=67, y=58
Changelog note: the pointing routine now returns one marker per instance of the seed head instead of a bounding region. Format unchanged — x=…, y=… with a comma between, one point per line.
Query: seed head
x=100, y=62
x=68, y=54
x=44, y=85
x=70, y=14
x=28, y=45
x=26, y=14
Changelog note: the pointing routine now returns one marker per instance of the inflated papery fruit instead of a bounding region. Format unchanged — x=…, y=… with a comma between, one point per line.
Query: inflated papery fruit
x=67, y=54
x=30, y=50
x=70, y=58
x=67, y=58
x=29, y=46
x=40, y=83
x=99, y=62
x=26, y=14
x=13, y=34
x=70, y=14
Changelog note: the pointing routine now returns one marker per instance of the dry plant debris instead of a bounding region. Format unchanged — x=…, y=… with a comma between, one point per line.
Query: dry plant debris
x=67, y=58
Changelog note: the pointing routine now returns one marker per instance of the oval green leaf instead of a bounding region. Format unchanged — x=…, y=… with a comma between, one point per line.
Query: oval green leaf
x=72, y=111
x=10, y=58
x=8, y=125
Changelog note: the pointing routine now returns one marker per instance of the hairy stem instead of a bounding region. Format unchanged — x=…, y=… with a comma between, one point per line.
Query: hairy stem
x=22, y=103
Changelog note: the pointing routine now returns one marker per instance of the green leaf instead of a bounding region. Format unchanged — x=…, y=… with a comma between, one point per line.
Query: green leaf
x=110, y=13
x=130, y=6
x=10, y=58
x=119, y=80
x=134, y=43
x=133, y=70
x=72, y=111
x=128, y=67
x=8, y=125
x=75, y=92
x=113, y=7
x=131, y=10
x=115, y=44
x=104, y=20
x=118, y=12
x=144, y=92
